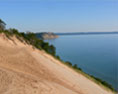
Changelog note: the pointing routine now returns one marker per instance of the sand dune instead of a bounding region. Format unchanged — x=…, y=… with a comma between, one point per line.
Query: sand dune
x=24, y=70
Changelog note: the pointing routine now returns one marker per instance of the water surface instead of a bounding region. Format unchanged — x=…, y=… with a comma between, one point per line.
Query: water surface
x=95, y=54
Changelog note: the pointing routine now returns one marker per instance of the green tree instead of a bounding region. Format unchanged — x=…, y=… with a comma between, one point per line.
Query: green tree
x=68, y=63
x=13, y=31
x=75, y=66
x=2, y=25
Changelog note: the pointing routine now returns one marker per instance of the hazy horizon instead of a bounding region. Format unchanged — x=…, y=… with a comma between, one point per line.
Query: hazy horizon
x=60, y=15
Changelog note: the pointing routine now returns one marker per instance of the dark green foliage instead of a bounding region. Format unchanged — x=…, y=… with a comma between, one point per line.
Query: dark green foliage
x=13, y=31
x=68, y=63
x=31, y=39
x=52, y=50
x=103, y=82
x=48, y=48
x=2, y=25
x=58, y=57
x=40, y=44
x=75, y=66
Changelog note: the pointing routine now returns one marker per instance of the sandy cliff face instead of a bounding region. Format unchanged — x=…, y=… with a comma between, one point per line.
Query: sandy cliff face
x=24, y=70
x=46, y=35
x=49, y=36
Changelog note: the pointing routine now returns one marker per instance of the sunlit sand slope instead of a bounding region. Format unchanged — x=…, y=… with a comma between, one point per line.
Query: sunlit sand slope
x=25, y=70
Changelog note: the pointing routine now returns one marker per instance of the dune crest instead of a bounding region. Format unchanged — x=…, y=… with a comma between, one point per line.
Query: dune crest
x=25, y=70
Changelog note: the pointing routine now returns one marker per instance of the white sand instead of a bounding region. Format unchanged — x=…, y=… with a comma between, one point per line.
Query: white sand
x=24, y=70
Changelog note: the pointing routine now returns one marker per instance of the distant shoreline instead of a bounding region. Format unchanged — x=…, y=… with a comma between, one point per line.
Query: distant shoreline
x=86, y=33
x=46, y=35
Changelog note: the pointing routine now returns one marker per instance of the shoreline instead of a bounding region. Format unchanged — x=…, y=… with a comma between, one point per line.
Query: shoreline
x=86, y=33
x=39, y=64
x=97, y=77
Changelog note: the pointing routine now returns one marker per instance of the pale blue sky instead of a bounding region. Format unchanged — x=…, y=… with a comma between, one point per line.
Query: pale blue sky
x=60, y=15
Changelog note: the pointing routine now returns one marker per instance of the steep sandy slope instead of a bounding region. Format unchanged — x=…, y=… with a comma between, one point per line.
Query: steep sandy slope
x=24, y=70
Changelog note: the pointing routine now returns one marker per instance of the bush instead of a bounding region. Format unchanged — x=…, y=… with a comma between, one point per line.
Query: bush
x=58, y=57
x=102, y=82
x=31, y=39
x=68, y=63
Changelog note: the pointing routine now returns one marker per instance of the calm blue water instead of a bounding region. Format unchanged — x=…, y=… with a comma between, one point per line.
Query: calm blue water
x=95, y=54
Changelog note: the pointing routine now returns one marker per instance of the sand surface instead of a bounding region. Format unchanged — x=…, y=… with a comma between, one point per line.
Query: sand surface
x=24, y=70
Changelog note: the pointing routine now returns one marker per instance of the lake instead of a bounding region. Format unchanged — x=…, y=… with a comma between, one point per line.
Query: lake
x=96, y=54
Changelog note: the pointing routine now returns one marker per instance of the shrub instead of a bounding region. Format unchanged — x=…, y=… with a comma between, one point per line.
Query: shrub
x=68, y=63
x=58, y=57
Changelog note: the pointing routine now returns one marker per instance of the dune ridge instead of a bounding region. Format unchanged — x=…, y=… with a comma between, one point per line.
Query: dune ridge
x=26, y=70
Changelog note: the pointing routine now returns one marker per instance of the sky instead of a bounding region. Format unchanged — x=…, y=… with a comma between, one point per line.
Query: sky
x=60, y=15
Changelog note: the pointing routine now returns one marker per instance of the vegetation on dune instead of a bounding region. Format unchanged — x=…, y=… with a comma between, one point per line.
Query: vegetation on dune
x=97, y=80
x=31, y=38
x=2, y=25
x=102, y=82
